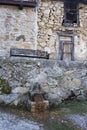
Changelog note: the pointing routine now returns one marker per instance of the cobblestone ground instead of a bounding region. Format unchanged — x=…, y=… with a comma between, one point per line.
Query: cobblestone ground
x=79, y=120
x=12, y=122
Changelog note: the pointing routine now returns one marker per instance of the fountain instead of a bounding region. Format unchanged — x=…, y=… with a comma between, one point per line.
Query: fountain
x=38, y=99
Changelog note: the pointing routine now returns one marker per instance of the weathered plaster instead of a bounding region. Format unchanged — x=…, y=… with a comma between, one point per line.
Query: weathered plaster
x=38, y=28
x=18, y=28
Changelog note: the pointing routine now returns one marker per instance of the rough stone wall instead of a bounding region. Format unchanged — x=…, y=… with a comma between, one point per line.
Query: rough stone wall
x=18, y=28
x=81, y=35
x=58, y=79
x=50, y=18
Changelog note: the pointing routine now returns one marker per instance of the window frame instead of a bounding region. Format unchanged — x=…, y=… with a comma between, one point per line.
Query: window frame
x=69, y=24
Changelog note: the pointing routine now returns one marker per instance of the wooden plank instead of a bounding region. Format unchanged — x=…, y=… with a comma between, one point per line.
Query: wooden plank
x=77, y=1
x=18, y=3
x=67, y=48
x=29, y=53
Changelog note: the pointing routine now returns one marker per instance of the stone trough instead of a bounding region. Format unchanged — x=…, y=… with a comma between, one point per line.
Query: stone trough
x=38, y=99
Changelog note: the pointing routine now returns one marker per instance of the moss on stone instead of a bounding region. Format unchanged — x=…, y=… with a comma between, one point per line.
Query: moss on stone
x=6, y=89
x=2, y=81
x=21, y=105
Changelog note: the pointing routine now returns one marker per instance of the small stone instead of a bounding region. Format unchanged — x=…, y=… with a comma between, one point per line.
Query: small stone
x=8, y=99
x=49, y=32
x=46, y=12
x=27, y=84
x=81, y=98
x=21, y=90
x=51, y=22
x=15, y=102
x=45, y=4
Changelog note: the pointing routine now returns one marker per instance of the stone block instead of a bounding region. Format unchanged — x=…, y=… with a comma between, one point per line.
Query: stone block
x=41, y=106
x=21, y=90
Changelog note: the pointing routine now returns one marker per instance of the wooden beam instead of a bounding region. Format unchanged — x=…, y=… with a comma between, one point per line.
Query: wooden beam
x=77, y=1
x=29, y=53
x=20, y=3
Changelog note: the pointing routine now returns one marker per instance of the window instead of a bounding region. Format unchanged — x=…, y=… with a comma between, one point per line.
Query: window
x=71, y=14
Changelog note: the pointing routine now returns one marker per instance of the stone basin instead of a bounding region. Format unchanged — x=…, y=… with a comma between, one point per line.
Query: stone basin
x=41, y=106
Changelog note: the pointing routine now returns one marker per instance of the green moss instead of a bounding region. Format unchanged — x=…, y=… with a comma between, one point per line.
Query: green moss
x=2, y=81
x=60, y=110
x=53, y=106
x=21, y=105
x=6, y=89
x=75, y=107
x=58, y=126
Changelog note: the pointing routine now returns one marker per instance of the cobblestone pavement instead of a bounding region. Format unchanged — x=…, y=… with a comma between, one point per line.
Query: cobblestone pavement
x=79, y=120
x=12, y=122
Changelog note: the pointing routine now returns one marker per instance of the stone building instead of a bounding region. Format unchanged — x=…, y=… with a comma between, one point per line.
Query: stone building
x=54, y=29
x=56, y=26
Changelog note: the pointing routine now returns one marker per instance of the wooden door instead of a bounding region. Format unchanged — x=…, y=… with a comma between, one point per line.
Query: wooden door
x=66, y=51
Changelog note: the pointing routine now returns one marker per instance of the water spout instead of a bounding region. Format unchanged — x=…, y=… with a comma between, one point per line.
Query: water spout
x=37, y=99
